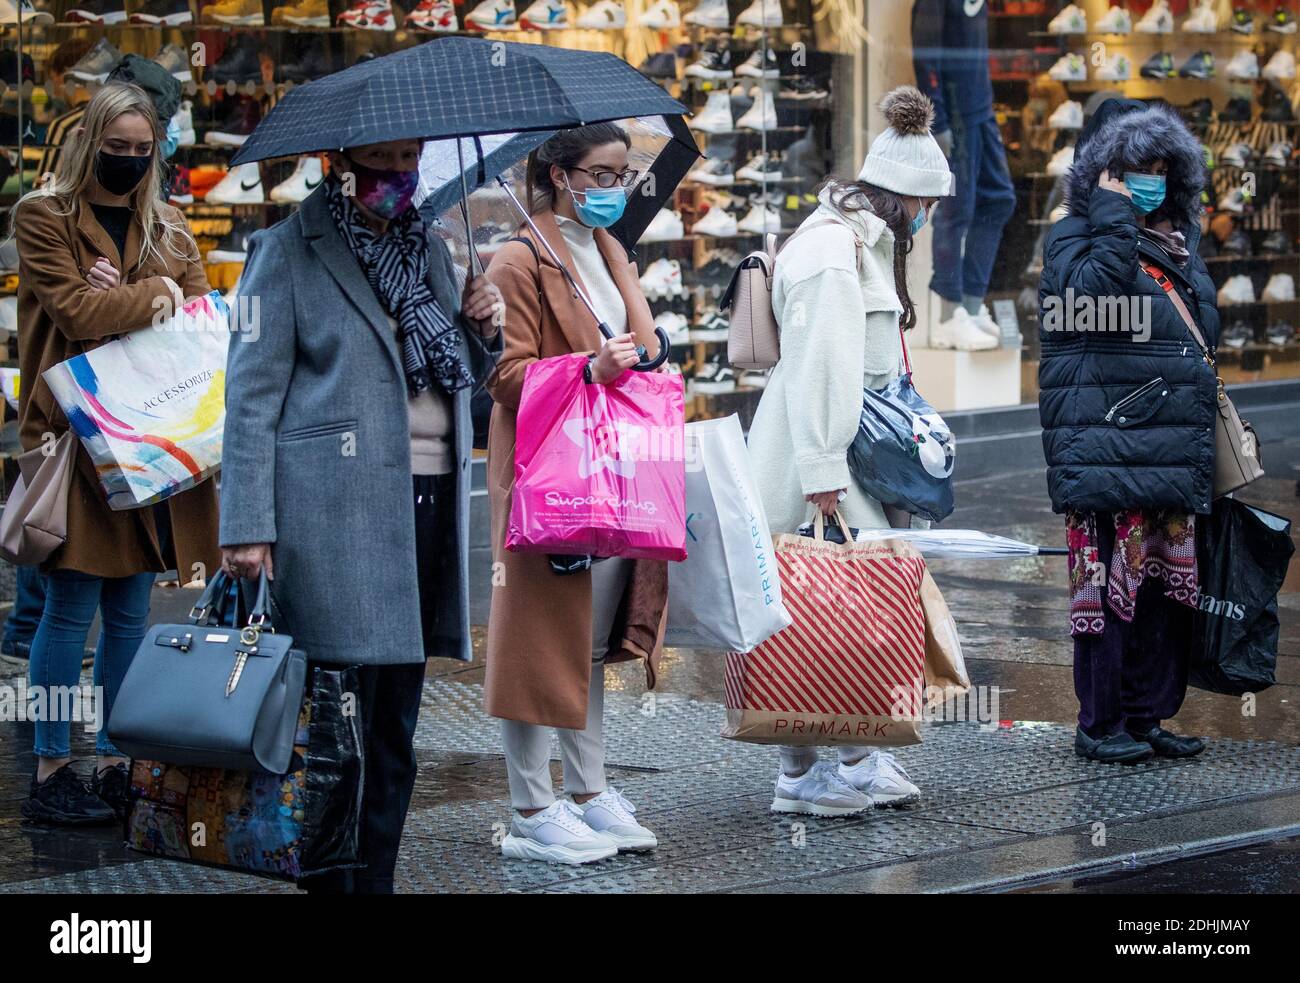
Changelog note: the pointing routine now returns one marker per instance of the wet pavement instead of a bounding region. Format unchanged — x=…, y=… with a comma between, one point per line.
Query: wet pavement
x=1006, y=807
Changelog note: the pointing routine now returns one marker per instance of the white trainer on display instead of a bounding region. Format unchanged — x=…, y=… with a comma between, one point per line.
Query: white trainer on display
x=1280, y=288
x=603, y=15
x=715, y=117
x=1237, y=290
x=1069, y=68
x=880, y=776
x=1278, y=153
x=1118, y=68
x=761, y=64
x=611, y=815
x=664, y=227
x=556, y=835
x=716, y=222
x=1280, y=66
x=11, y=10
x=1244, y=66
x=819, y=791
x=305, y=179
x=1070, y=20
x=545, y=15
x=662, y=279
x=761, y=13
x=962, y=333
x=1061, y=161
x=760, y=116
x=1158, y=19
x=716, y=172
x=661, y=15
x=761, y=169
x=493, y=15
x=709, y=13
x=433, y=17
x=1202, y=19
x=1117, y=20
x=675, y=326
x=1067, y=116
x=242, y=185
x=184, y=120
x=760, y=220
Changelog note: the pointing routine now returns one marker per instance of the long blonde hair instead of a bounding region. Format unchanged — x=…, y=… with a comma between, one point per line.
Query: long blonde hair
x=75, y=170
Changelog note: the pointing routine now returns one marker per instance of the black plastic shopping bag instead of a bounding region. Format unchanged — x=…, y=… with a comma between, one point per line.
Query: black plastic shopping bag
x=1241, y=559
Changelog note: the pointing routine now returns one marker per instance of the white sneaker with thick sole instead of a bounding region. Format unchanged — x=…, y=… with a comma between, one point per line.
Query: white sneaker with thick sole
x=1279, y=289
x=604, y=15
x=882, y=778
x=819, y=791
x=984, y=321
x=761, y=13
x=305, y=179
x=710, y=13
x=664, y=227
x=716, y=222
x=715, y=117
x=242, y=185
x=961, y=332
x=760, y=116
x=1067, y=116
x=1158, y=19
x=1203, y=20
x=556, y=835
x=610, y=814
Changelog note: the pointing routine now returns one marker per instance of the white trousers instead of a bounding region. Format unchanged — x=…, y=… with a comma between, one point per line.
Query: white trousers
x=582, y=752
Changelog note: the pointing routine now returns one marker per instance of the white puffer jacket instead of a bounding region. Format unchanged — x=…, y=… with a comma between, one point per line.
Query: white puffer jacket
x=839, y=333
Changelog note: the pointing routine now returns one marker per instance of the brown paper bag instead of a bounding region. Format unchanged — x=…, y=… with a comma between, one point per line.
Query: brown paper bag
x=945, y=669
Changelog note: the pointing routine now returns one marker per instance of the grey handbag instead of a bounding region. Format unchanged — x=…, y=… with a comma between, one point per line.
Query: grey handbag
x=210, y=695
x=35, y=520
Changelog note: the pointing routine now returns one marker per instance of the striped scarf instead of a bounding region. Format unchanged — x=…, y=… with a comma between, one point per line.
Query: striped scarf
x=396, y=266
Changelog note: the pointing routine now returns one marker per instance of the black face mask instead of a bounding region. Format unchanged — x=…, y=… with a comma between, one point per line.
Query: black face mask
x=118, y=174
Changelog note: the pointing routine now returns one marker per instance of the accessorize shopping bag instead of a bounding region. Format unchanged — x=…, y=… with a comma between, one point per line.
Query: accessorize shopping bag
x=850, y=668
x=945, y=667
x=306, y=821
x=149, y=406
x=599, y=468
x=726, y=594
x=1242, y=554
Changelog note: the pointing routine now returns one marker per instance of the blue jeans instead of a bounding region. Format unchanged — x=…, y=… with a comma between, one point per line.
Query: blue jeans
x=29, y=601
x=968, y=226
x=71, y=600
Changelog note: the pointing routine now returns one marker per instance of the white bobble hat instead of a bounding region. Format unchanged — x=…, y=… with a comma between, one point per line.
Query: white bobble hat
x=905, y=158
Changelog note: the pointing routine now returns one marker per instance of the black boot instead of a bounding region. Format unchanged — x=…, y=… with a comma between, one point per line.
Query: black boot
x=64, y=800
x=1116, y=749
x=1169, y=745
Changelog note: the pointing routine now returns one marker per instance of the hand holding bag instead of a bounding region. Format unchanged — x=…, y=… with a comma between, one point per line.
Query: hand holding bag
x=35, y=519
x=209, y=695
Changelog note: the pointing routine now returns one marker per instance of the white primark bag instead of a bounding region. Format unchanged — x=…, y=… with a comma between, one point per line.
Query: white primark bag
x=726, y=594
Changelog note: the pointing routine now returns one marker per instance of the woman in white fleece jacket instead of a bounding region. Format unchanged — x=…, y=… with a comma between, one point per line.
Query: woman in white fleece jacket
x=840, y=297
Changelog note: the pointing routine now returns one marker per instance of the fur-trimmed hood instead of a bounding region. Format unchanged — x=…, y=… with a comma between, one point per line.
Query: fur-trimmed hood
x=1131, y=140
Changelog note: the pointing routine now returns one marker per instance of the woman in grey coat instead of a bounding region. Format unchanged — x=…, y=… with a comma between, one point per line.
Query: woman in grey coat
x=347, y=446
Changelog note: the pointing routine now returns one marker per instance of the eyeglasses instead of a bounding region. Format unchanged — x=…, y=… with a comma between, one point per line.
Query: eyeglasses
x=607, y=179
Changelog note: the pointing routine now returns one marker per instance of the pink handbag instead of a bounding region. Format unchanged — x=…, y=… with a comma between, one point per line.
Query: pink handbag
x=599, y=469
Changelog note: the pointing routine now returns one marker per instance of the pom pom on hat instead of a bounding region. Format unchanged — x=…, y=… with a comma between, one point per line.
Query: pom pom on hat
x=908, y=110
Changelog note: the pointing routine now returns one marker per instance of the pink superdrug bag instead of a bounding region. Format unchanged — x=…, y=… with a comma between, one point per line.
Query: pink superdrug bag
x=599, y=469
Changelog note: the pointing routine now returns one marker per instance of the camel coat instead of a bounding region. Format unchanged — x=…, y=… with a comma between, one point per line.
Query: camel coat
x=60, y=315
x=539, y=630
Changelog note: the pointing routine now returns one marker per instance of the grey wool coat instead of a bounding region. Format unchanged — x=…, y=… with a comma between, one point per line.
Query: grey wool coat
x=317, y=456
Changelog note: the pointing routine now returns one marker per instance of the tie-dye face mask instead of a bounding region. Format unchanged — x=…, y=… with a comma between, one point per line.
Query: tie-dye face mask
x=386, y=193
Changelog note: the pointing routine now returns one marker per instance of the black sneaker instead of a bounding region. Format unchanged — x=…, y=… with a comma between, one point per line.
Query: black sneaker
x=239, y=63
x=64, y=800
x=96, y=12
x=15, y=655
x=1277, y=107
x=164, y=13
x=1237, y=244
x=1276, y=242
x=1236, y=111
x=1159, y=66
x=1243, y=21
x=714, y=62
x=113, y=786
x=1280, y=334
x=660, y=66
x=804, y=87
x=311, y=62
x=242, y=116
x=233, y=246
x=1237, y=335
x=1199, y=66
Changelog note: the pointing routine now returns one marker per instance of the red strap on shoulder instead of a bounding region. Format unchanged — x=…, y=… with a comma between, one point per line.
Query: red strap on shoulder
x=907, y=362
x=1157, y=274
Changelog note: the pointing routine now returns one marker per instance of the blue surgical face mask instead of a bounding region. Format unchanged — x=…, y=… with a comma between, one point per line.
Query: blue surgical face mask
x=599, y=208
x=171, y=140
x=1148, y=190
x=918, y=221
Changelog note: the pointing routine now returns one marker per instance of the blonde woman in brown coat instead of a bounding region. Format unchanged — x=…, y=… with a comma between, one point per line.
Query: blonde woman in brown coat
x=550, y=634
x=100, y=255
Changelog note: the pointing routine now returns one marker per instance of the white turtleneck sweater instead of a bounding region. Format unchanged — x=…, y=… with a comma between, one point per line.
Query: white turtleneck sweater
x=594, y=273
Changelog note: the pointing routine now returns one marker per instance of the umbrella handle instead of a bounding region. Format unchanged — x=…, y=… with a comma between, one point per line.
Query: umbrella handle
x=649, y=365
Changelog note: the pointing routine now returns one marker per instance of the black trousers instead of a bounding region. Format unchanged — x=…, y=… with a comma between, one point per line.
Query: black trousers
x=389, y=706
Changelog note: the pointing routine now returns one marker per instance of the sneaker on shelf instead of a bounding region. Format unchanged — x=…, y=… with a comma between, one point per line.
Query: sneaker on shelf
x=305, y=13
x=312, y=61
x=717, y=172
x=164, y=13
x=242, y=116
x=1236, y=111
x=804, y=87
x=1282, y=20
x=369, y=15
x=102, y=12
x=717, y=221
x=1237, y=154
x=1237, y=335
x=542, y=15
x=233, y=246
x=709, y=13
x=662, y=15
x=64, y=799
x=666, y=226
x=1115, y=21
x=1236, y=244
x=611, y=815
x=241, y=13
x=662, y=279
x=1159, y=66
x=714, y=62
x=761, y=13
x=1069, y=68
x=662, y=65
x=239, y=63
x=1243, y=66
x=1277, y=107
x=1237, y=290
x=603, y=15
x=819, y=791
x=1202, y=20
x=1158, y=19
x=761, y=169
x=1281, y=66
x=14, y=11
x=305, y=179
x=1200, y=112
x=173, y=58
x=1243, y=21
x=492, y=15
x=1280, y=288
x=714, y=378
x=1067, y=116
x=675, y=326
x=1199, y=66
x=1280, y=333
x=242, y=185
x=760, y=220
x=1235, y=201
x=1061, y=161
x=1070, y=20
x=556, y=835
x=715, y=117
x=184, y=120
x=961, y=332
x=714, y=327
x=761, y=64
x=760, y=116
x=1276, y=243
x=96, y=64
x=1118, y=68
x=752, y=379
x=882, y=778
x=179, y=191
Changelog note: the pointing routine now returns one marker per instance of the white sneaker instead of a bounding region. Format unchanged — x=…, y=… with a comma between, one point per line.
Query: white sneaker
x=603, y=15
x=761, y=13
x=1114, y=21
x=760, y=220
x=663, y=279
x=761, y=64
x=492, y=15
x=184, y=119
x=242, y=185
x=984, y=321
x=714, y=378
x=305, y=179
x=962, y=333
x=1234, y=201
x=715, y=117
x=435, y=17
x=1237, y=290
x=675, y=326
x=1061, y=161
x=557, y=835
x=1067, y=116
x=11, y=10
x=661, y=15
x=1278, y=153
x=1237, y=155
x=1069, y=21
x=1280, y=66
x=545, y=15
x=880, y=776
x=716, y=222
x=819, y=791
x=1279, y=289
x=715, y=327
x=1203, y=20
x=760, y=169
x=1069, y=68
x=1243, y=65
x=752, y=379
x=760, y=116
x=710, y=13
x=610, y=814
x=712, y=63
x=1118, y=68
x=1158, y=19
x=716, y=172
x=664, y=227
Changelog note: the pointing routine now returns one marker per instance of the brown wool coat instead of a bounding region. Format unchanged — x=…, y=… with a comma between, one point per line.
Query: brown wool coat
x=60, y=315
x=539, y=629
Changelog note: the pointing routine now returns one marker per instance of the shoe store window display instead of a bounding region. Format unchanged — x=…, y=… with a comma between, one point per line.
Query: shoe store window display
x=951, y=56
x=551, y=633
x=840, y=289
x=1130, y=454
x=99, y=254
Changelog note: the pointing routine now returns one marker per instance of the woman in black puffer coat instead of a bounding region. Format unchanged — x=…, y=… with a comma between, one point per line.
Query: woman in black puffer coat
x=1127, y=402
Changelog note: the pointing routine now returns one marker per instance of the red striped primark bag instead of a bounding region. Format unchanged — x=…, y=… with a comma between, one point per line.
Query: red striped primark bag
x=850, y=668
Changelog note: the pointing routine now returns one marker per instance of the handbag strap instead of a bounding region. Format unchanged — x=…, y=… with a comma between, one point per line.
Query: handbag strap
x=216, y=596
x=907, y=362
x=1163, y=281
